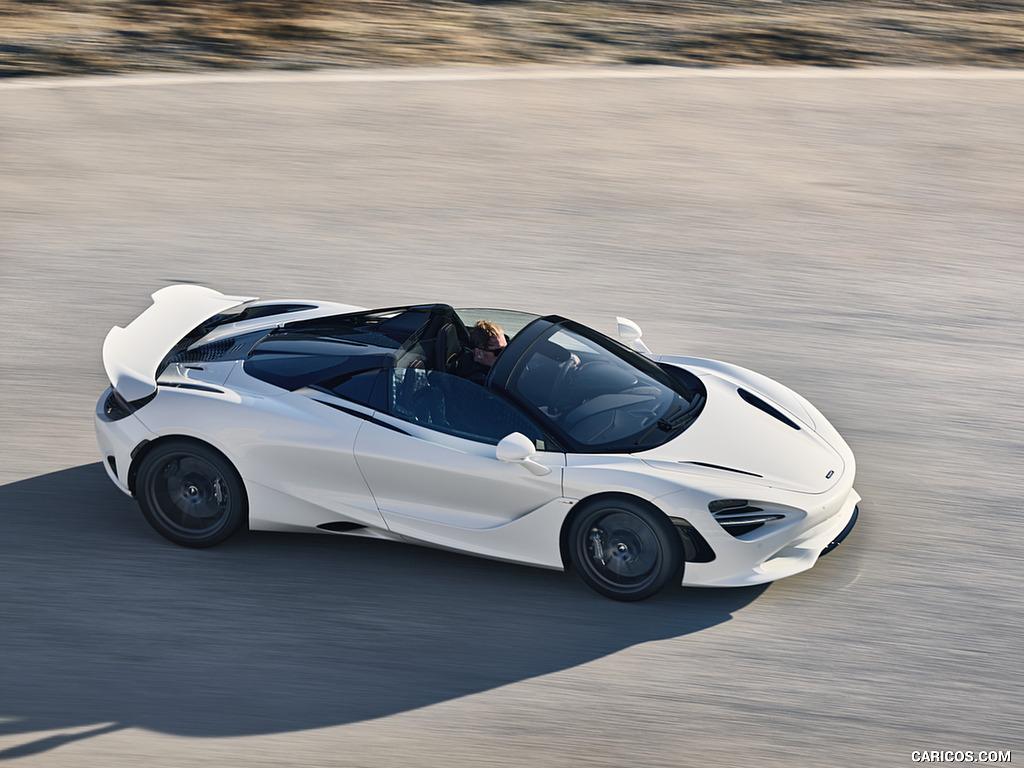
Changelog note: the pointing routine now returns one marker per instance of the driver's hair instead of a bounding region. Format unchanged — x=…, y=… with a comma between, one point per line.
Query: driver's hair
x=480, y=335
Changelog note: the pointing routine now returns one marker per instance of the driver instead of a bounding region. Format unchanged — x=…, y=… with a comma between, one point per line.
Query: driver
x=488, y=340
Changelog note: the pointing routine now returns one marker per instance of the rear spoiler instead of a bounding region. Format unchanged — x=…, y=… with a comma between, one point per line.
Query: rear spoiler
x=131, y=355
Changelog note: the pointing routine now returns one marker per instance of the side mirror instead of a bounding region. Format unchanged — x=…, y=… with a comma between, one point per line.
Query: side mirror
x=517, y=448
x=630, y=334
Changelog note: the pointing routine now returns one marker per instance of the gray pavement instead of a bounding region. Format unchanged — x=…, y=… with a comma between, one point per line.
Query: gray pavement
x=857, y=237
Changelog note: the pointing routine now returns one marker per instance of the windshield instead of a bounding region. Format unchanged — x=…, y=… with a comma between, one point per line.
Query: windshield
x=601, y=395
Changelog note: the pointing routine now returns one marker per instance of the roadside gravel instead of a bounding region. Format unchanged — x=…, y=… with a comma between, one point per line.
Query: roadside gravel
x=73, y=37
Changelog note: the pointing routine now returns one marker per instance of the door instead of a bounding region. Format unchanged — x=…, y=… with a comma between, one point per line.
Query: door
x=430, y=460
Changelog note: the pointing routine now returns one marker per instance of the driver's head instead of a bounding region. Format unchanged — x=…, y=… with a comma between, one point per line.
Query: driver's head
x=488, y=339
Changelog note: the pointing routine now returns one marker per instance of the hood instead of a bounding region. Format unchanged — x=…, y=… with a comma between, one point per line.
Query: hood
x=131, y=355
x=744, y=436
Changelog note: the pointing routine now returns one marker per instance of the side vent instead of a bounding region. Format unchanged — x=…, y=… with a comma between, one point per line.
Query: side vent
x=737, y=517
x=340, y=527
x=771, y=410
x=695, y=547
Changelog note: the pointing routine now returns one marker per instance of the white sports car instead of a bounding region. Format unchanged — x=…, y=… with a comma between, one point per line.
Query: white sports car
x=576, y=450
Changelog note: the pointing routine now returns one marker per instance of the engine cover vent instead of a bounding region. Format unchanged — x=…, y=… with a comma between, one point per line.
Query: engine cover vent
x=206, y=353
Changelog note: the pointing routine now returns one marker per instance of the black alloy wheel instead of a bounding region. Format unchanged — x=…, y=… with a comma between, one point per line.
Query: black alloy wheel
x=191, y=494
x=624, y=549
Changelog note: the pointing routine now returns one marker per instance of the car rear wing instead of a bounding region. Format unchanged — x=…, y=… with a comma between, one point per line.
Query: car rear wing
x=131, y=355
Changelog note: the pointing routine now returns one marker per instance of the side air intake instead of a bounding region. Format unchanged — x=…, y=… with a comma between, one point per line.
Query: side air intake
x=738, y=517
x=341, y=527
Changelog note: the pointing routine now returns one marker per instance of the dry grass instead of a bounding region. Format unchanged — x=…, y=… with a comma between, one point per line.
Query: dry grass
x=65, y=37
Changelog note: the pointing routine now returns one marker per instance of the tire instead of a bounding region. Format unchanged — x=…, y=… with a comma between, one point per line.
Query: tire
x=191, y=494
x=624, y=549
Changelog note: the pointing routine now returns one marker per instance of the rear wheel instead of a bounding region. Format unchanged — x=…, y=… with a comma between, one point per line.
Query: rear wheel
x=191, y=494
x=624, y=549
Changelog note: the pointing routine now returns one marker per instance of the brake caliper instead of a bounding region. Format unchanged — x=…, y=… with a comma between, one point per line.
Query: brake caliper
x=597, y=545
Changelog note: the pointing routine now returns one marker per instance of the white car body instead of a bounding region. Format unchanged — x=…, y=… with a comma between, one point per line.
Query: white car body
x=312, y=461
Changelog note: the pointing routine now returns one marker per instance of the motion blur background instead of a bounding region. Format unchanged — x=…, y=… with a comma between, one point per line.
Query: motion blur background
x=853, y=231
x=103, y=36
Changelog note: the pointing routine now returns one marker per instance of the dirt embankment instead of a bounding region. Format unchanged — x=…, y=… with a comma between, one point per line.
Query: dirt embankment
x=67, y=37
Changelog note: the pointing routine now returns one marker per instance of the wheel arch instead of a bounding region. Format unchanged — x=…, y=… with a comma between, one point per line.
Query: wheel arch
x=588, y=502
x=695, y=547
x=147, y=446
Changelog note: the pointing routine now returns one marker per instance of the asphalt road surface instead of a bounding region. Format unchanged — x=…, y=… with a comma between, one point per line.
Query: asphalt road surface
x=857, y=236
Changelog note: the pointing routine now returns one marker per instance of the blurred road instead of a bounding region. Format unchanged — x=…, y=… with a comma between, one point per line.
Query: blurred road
x=857, y=237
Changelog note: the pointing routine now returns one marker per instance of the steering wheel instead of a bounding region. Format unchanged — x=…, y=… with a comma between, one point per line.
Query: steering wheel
x=563, y=382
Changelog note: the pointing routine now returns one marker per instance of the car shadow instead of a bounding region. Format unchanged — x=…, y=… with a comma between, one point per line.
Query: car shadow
x=105, y=625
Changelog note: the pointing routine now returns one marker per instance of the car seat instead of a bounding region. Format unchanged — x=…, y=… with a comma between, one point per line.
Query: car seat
x=448, y=347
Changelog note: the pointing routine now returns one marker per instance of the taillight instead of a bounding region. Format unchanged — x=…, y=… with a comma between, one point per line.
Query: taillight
x=116, y=407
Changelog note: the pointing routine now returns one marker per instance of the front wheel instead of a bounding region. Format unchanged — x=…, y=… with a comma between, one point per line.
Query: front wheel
x=625, y=550
x=191, y=494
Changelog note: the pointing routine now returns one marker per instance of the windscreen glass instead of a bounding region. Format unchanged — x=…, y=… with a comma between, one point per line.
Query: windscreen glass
x=601, y=395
